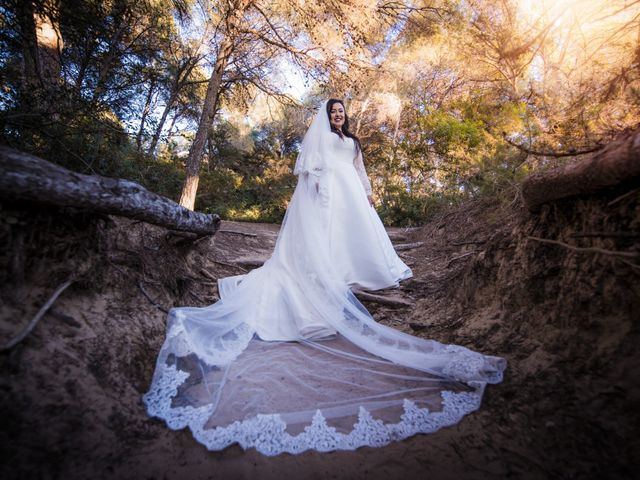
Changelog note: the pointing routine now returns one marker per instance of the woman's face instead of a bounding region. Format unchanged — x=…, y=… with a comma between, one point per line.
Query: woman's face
x=336, y=116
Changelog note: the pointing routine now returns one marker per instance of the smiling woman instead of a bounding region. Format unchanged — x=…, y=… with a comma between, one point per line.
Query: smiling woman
x=337, y=115
x=289, y=360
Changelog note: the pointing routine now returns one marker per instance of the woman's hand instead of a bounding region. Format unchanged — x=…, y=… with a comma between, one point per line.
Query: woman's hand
x=370, y=198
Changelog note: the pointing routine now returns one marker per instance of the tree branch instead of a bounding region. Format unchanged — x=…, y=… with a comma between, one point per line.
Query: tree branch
x=570, y=153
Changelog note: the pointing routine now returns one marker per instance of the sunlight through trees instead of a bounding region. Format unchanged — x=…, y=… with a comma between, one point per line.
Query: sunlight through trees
x=195, y=100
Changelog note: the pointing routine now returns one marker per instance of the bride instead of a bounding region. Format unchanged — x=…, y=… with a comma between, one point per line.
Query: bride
x=289, y=359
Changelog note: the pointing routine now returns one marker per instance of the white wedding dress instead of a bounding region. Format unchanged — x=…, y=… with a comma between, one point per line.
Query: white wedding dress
x=289, y=360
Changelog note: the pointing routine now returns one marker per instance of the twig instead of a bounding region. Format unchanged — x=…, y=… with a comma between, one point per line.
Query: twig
x=613, y=253
x=459, y=257
x=397, y=236
x=230, y=265
x=254, y=262
x=407, y=246
x=197, y=297
x=622, y=197
x=208, y=275
x=388, y=301
x=150, y=299
x=470, y=242
x=632, y=265
x=237, y=232
x=30, y=326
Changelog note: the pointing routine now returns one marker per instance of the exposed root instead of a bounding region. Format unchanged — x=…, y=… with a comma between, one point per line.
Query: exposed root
x=34, y=321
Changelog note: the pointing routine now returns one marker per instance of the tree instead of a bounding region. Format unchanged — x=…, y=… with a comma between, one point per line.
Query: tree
x=230, y=29
x=41, y=45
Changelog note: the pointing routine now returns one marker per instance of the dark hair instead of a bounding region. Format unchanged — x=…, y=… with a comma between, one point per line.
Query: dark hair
x=345, y=126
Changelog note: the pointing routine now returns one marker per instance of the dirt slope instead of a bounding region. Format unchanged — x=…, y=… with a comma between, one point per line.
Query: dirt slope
x=566, y=321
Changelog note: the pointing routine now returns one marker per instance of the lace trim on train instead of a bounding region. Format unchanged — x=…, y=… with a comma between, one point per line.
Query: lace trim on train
x=222, y=351
x=468, y=364
x=267, y=433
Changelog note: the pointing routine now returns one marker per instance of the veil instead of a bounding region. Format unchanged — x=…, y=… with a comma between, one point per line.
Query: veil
x=289, y=359
x=312, y=156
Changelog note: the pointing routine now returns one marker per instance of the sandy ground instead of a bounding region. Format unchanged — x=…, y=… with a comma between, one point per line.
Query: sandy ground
x=567, y=324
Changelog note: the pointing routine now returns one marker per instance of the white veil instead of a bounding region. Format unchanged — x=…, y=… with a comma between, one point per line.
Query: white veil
x=341, y=380
x=312, y=156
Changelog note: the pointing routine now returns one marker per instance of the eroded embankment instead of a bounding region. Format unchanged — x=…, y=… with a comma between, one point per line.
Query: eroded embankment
x=566, y=320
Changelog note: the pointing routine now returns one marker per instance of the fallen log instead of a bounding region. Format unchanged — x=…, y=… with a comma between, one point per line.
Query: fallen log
x=26, y=177
x=614, y=164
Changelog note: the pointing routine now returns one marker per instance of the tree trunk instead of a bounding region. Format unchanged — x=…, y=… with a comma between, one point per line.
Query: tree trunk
x=145, y=112
x=188, y=197
x=182, y=75
x=42, y=46
x=616, y=163
x=176, y=115
x=25, y=177
x=114, y=50
x=156, y=136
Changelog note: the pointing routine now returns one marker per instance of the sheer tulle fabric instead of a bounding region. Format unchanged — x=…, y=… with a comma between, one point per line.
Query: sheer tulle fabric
x=289, y=359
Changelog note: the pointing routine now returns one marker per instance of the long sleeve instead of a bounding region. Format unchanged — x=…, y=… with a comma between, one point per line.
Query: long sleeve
x=358, y=163
x=312, y=164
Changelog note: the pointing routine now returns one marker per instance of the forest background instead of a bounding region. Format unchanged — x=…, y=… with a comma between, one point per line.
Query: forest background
x=206, y=102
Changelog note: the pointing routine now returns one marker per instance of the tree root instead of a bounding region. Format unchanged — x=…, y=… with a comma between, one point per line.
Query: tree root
x=31, y=325
x=151, y=300
x=613, y=253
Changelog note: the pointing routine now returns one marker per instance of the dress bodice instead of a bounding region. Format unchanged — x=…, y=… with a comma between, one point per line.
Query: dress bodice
x=342, y=149
x=342, y=152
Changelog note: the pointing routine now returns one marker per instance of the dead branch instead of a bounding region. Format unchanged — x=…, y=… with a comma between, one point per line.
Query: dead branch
x=234, y=266
x=26, y=177
x=237, y=232
x=250, y=262
x=613, y=253
x=632, y=265
x=470, y=242
x=395, y=302
x=458, y=258
x=395, y=237
x=208, y=275
x=31, y=325
x=407, y=246
x=198, y=297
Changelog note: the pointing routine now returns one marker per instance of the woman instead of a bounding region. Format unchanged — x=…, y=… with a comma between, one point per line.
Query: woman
x=289, y=360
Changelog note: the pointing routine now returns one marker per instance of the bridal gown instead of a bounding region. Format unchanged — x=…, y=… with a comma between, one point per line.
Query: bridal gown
x=289, y=360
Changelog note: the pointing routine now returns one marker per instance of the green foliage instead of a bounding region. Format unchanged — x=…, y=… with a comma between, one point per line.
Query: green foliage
x=249, y=186
x=401, y=208
x=120, y=91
